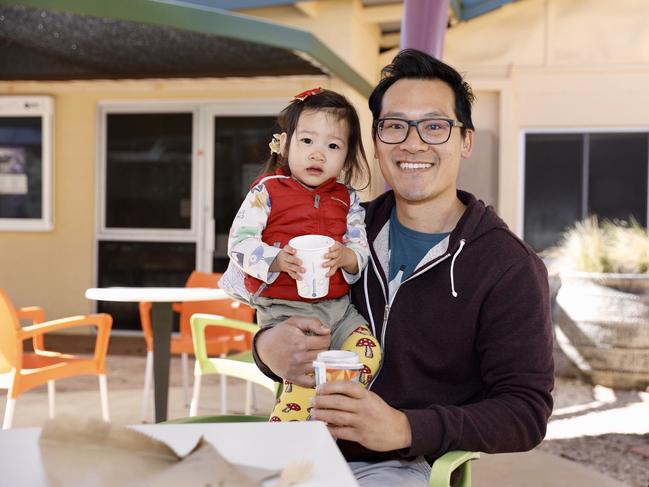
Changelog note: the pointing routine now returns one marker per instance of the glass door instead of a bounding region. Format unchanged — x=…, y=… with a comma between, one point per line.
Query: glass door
x=148, y=200
x=171, y=179
x=236, y=148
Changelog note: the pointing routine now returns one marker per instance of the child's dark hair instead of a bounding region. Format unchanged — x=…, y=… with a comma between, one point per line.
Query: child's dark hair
x=355, y=169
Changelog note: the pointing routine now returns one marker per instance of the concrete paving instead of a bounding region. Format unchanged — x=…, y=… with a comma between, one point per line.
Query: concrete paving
x=77, y=396
x=535, y=469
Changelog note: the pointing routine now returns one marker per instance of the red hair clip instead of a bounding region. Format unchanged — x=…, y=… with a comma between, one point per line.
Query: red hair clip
x=306, y=94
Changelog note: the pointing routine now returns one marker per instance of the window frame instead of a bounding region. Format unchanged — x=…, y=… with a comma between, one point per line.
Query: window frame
x=31, y=106
x=102, y=232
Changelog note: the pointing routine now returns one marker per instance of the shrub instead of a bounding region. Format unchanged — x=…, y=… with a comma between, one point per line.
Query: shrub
x=606, y=246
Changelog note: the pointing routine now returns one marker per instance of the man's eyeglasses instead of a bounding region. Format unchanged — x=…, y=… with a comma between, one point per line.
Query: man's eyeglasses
x=432, y=131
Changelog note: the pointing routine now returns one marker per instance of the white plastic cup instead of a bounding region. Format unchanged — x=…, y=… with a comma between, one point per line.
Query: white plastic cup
x=311, y=249
x=337, y=365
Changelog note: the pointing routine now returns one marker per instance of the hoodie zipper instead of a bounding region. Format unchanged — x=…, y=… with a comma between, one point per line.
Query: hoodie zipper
x=388, y=306
x=316, y=205
x=386, y=310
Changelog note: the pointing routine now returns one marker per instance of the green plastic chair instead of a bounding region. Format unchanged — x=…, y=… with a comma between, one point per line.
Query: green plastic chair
x=240, y=365
x=444, y=466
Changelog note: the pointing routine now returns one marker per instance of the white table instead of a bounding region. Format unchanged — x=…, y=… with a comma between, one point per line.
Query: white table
x=162, y=321
x=267, y=445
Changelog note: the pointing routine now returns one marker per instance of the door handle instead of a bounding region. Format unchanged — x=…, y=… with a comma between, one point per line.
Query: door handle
x=209, y=236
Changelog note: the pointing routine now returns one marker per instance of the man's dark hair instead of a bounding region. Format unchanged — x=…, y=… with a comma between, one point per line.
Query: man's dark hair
x=414, y=64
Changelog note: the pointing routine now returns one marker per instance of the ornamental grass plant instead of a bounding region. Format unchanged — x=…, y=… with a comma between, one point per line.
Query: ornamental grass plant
x=606, y=246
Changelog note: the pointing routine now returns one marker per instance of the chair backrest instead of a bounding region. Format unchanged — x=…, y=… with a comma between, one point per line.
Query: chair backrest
x=11, y=348
x=228, y=308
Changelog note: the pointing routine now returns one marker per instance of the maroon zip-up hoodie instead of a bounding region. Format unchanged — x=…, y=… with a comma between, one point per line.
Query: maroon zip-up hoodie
x=472, y=371
x=467, y=339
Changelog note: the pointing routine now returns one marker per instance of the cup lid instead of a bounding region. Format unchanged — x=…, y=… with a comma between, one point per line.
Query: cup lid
x=338, y=357
x=337, y=365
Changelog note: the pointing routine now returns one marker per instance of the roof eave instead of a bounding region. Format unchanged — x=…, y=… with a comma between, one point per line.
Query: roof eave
x=211, y=21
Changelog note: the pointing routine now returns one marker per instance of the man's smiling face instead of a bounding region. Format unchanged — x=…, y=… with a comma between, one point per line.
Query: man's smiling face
x=419, y=172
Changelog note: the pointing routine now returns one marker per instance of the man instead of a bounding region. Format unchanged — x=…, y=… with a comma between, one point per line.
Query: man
x=459, y=303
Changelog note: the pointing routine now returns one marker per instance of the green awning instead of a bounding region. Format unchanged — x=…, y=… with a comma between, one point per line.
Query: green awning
x=127, y=39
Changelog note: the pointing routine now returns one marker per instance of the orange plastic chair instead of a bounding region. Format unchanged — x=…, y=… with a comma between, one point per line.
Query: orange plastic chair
x=21, y=371
x=220, y=340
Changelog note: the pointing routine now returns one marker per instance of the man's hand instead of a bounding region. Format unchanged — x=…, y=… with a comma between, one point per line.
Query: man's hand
x=356, y=414
x=286, y=261
x=289, y=351
x=340, y=256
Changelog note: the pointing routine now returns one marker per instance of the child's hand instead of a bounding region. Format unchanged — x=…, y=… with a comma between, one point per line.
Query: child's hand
x=340, y=256
x=286, y=261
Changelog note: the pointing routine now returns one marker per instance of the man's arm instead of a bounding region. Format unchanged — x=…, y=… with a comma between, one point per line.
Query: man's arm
x=288, y=349
x=514, y=347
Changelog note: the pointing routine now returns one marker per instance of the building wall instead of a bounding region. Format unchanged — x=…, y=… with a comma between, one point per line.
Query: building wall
x=532, y=63
x=555, y=64
x=337, y=23
x=479, y=174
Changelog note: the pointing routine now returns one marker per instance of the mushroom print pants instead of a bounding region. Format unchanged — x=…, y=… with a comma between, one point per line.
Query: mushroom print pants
x=293, y=403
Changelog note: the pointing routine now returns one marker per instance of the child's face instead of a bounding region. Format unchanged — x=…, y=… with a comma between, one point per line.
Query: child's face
x=318, y=147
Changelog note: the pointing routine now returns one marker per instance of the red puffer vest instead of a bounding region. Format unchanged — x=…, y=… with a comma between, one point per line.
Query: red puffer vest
x=296, y=211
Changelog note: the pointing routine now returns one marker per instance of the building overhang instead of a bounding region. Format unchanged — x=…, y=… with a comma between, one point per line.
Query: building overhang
x=132, y=39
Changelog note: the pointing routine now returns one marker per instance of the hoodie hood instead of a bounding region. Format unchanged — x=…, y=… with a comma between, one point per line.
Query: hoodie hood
x=476, y=221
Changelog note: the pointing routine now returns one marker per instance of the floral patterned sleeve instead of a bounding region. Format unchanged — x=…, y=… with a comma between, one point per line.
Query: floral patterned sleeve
x=355, y=237
x=245, y=247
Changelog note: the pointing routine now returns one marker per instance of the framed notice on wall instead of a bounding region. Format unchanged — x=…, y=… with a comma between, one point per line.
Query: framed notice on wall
x=26, y=163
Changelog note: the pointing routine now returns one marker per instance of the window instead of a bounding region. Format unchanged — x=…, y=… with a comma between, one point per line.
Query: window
x=147, y=189
x=25, y=163
x=148, y=170
x=569, y=176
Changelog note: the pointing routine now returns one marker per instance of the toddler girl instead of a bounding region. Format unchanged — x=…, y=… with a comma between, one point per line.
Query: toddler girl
x=299, y=193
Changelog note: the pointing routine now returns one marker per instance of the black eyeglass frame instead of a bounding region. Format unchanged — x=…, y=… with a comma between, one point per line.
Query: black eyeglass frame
x=415, y=123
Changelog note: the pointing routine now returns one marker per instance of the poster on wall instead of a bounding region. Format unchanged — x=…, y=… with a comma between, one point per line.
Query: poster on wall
x=25, y=163
x=13, y=171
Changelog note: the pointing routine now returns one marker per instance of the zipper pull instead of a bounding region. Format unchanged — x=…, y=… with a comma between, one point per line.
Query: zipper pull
x=385, y=316
x=316, y=201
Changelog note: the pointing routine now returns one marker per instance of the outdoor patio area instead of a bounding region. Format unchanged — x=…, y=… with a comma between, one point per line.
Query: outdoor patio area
x=597, y=435
x=160, y=158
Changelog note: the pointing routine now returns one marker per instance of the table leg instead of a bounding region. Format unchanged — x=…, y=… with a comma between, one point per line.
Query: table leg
x=162, y=320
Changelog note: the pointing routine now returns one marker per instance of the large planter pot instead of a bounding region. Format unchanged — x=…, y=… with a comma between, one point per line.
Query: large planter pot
x=602, y=325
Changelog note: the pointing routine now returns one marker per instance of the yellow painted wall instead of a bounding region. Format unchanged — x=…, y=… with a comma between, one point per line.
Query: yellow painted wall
x=337, y=23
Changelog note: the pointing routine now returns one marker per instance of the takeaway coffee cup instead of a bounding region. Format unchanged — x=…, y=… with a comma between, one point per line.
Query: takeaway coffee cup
x=311, y=249
x=337, y=365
